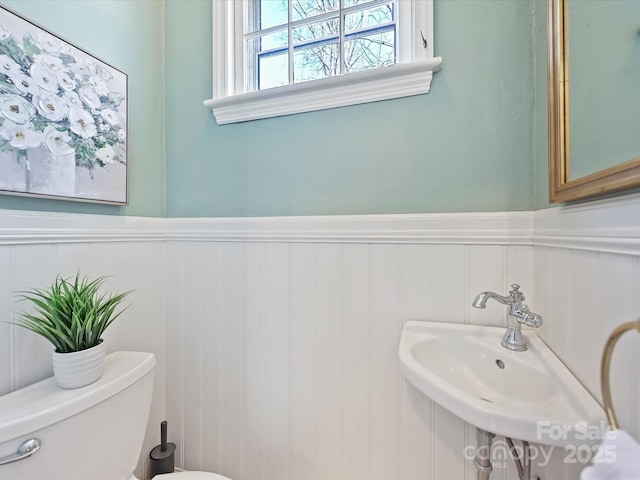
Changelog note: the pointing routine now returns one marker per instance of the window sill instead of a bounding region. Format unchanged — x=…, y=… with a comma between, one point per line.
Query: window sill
x=401, y=80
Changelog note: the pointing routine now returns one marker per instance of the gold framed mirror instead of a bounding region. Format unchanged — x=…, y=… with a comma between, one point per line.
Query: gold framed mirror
x=622, y=174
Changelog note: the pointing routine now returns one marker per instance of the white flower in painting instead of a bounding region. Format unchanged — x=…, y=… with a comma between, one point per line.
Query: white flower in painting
x=57, y=142
x=4, y=33
x=8, y=66
x=82, y=122
x=20, y=136
x=99, y=85
x=51, y=63
x=66, y=82
x=44, y=78
x=49, y=43
x=116, y=98
x=110, y=116
x=104, y=73
x=84, y=67
x=49, y=105
x=71, y=99
x=16, y=109
x=24, y=84
x=106, y=154
x=121, y=135
x=90, y=97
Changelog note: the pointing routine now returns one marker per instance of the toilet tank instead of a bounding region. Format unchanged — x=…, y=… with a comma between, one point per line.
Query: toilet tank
x=89, y=433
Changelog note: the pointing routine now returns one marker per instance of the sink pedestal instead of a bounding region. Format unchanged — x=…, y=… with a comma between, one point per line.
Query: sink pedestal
x=483, y=453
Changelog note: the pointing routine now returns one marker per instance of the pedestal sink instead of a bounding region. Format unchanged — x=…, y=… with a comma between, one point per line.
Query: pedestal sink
x=528, y=395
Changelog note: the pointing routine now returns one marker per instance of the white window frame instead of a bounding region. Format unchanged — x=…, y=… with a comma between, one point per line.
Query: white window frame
x=410, y=76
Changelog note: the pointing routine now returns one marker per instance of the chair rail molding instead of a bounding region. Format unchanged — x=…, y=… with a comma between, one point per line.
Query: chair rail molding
x=24, y=227
x=485, y=228
x=609, y=225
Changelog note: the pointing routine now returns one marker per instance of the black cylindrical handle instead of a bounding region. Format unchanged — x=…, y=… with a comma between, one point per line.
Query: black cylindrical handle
x=162, y=456
x=163, y=436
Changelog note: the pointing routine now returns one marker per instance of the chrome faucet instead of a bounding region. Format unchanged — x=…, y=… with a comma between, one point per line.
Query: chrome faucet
x=519, y=313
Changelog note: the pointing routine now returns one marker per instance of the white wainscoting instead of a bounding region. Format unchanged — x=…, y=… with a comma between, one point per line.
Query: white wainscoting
x=281, y=333
x=587, y=282
x=295, y=325
x=35, y=247
x=283, y=356
x=287, y=333
x=285, y=363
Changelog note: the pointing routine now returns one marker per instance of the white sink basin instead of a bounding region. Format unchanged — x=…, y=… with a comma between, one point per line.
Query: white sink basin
x=527, y=395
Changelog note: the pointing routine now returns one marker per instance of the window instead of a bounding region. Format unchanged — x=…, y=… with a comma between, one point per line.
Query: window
x=278, y=57
x=302, y=40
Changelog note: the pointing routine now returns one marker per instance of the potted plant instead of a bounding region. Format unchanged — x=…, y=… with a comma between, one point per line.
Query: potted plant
x=72, y=314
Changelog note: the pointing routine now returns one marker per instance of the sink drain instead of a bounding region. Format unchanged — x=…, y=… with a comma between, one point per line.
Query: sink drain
x=500, y=363
x=486, y=399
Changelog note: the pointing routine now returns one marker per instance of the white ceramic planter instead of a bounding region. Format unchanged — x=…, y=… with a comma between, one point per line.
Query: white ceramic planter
x=78, y=369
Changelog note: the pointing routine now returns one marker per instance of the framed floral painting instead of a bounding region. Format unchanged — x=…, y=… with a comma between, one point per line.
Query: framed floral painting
x=63, y=118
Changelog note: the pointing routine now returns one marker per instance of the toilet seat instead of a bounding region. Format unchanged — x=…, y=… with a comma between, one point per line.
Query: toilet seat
x=191, y=476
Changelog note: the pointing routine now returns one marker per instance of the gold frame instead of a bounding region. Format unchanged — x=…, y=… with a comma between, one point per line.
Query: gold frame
x=561, y=189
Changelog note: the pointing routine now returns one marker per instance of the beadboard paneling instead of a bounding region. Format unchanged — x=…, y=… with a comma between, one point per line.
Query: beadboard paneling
x=281, y=334
x=307, y=383
x=305, y=324
x=33, y=259
x=336, y=406
x=585, y=295
x=6, y=329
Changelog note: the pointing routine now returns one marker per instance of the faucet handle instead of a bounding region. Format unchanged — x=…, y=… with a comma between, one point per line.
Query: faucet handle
x=515, y=291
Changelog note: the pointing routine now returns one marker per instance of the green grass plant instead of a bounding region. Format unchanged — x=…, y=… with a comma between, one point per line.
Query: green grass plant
x=72, y=314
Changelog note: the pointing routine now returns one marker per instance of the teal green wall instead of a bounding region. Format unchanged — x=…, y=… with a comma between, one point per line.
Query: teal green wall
x=466, y=146
x=128, y=35
x=541, y=112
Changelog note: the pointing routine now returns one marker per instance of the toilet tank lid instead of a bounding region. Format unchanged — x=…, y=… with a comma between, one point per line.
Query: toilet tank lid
x=45, y=403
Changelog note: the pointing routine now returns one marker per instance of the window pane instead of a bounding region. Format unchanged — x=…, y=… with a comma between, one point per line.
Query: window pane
x=309, y=8
x=272, y=13
x=375, y=50
x=274, y=40
x=351, y=3
x=369, y=40
x=368, y=18
x=317, y=62
x=329, y=29
x=273, y=71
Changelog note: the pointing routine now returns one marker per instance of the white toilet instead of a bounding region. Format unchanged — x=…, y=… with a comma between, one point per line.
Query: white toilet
x=90, y=433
